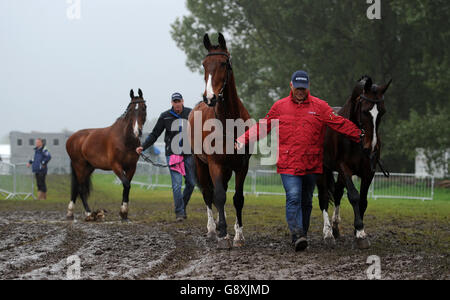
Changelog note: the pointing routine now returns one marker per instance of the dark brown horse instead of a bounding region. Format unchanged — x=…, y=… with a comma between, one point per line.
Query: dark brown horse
x=214, y=169
x=112, y=148
x=365, y=108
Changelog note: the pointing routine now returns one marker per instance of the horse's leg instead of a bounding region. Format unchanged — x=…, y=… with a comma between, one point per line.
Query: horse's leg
x=207, y=189
x=129, y=173
x=217, y=177
x=337, y=196
x=83, y=171
x=365, y=185
x=74, y=193
x=118, y=170
x=238, y=201
x=354, y=198
x=324, y=199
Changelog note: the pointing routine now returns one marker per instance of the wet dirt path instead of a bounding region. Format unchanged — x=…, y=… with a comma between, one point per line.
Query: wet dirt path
x=36, y=245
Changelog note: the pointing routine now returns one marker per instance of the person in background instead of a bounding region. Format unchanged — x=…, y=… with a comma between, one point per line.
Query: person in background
x=183, y=164
x=303, y=119
x=39, y=167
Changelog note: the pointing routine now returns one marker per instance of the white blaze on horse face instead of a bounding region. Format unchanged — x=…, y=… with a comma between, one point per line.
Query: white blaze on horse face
x=374, y=112
x=327, y=231
x=209, y=89
x=136, y=129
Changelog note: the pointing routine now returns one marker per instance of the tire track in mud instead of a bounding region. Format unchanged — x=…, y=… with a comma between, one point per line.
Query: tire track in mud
x=21, y=256
x=108, y=251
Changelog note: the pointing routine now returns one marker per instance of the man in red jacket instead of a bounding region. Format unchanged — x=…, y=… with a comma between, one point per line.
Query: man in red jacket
x=302, y=123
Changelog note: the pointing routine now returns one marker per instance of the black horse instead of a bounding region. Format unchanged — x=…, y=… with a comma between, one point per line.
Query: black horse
x=365, y=108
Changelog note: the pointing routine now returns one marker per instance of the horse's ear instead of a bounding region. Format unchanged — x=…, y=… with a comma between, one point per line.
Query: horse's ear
x=141, y=95
x=222, y=42
x=386, y=87
x=132, y=94
x=368, y=85
x=207, y=42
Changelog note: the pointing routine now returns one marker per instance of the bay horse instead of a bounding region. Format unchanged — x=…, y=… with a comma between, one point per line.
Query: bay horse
x=365, y=108
x=220, y=103
x=112, y=148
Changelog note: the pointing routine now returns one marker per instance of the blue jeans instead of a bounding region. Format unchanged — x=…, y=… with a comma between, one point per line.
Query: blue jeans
x=182, y=199
x=299, y=194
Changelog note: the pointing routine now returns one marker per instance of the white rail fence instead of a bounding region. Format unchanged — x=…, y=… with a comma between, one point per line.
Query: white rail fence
x=17, y=182
x=268, y=182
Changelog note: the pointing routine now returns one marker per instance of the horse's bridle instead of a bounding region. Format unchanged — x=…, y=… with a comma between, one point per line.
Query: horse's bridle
x=134, y=102
x=374, y=160
x=220, y=97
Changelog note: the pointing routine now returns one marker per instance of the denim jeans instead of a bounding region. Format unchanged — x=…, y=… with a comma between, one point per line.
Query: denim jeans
x=181, y=199
x=299, y=194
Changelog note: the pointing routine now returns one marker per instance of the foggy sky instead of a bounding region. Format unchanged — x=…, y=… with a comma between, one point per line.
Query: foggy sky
x=57, y=73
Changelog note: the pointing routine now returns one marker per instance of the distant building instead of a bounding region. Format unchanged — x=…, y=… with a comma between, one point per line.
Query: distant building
x=422, y=165
x=23, y=144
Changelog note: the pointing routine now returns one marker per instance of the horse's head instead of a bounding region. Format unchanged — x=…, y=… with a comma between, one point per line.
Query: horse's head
x=369, y=109
x=137, y=112
x=217, y=65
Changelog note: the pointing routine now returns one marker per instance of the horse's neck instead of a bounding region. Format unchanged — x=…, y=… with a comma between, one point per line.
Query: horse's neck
x=229, y=108
x=124, y=127
x=348, y=110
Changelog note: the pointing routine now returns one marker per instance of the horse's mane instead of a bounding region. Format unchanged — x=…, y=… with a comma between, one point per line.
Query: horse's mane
x=125, y=114
x=348, y=108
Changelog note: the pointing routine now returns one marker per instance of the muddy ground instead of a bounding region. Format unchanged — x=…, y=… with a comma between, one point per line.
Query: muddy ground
x=36, y=245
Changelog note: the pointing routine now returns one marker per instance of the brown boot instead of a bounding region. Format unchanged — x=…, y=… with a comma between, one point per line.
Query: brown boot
x=44, y=196
x=39, y=197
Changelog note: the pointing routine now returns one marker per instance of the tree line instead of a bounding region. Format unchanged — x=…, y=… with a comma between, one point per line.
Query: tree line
x=337, y=44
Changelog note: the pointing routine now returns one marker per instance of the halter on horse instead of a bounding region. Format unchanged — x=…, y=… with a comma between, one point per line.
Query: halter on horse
x=365, y=108
x=111, y=148
x=220, y=101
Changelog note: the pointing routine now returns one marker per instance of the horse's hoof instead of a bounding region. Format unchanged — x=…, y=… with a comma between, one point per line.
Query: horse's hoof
x=336, y=231
x=211, y=236
x=89, y=219
x=123, y=216
x=224, y=244
x=126, y=221
x=238, y=243
x=363, y=243
x=330, y=242
x=70, y=218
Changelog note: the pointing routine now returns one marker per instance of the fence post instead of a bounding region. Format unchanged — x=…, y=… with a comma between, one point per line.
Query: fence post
x=14, y=180
x=432, y=187
x=254, y=182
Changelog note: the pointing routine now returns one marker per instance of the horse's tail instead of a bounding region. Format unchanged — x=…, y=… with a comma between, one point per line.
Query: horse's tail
x=82, y=189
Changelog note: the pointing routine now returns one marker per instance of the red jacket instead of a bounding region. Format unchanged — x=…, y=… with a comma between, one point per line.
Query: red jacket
x=301, y=133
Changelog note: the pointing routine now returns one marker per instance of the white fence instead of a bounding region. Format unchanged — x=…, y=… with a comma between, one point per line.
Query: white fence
x=268, y=182
x=16, y=181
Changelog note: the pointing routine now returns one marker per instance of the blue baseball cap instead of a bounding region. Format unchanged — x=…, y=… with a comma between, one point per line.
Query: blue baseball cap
x=300, y=79
x=177, y=96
